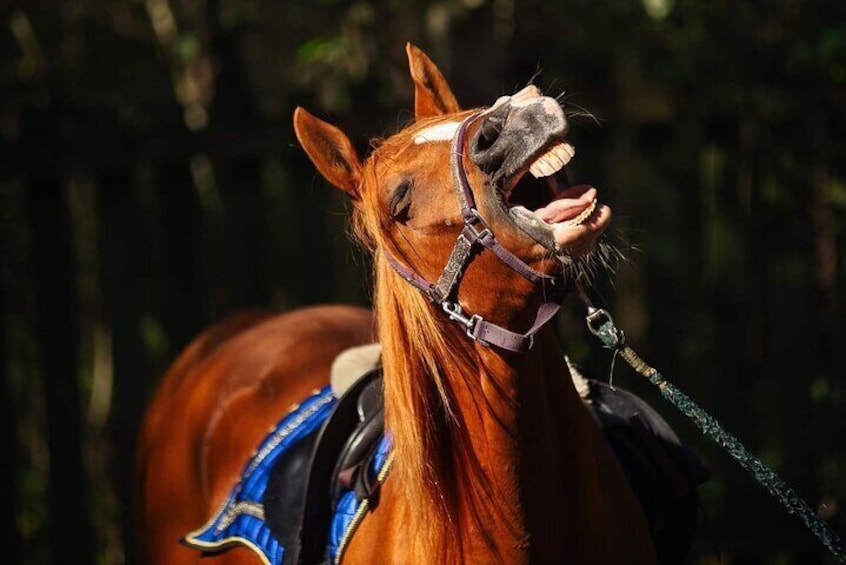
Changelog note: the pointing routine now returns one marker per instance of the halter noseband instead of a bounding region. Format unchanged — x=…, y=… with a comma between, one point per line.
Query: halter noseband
x=477, y=233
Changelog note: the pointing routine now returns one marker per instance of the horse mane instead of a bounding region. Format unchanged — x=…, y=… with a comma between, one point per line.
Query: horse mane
x=440, y=476
x=435, y=464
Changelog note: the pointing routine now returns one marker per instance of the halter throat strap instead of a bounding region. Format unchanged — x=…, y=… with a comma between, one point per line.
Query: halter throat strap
x=475, y=236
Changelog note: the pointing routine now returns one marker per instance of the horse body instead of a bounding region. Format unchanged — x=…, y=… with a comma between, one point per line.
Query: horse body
x=495, y=457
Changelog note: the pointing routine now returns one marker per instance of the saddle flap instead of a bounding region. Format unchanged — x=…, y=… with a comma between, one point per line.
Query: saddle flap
x=344, y=432
x=362, y=440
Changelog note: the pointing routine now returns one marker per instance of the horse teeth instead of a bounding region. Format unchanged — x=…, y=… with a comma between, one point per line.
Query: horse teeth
x=552, y=160
x=542, y=168
x=583, y=216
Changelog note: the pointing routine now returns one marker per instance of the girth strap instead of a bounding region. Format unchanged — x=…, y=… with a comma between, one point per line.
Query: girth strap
x=475, y=236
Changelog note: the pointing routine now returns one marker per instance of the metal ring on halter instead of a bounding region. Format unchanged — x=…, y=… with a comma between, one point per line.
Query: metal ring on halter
x=478, y=219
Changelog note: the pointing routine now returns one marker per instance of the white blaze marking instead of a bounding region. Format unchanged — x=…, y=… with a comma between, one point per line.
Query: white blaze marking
x=439, y=132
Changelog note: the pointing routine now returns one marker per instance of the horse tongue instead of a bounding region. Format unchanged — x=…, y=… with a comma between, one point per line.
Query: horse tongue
x=568, y=206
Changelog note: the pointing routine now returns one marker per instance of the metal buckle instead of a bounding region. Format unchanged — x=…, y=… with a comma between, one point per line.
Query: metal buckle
x=474, y=219
x=599, y=317
x=456, y=314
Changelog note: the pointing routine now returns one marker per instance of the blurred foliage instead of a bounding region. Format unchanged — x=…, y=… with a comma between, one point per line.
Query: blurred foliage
x=162, y=130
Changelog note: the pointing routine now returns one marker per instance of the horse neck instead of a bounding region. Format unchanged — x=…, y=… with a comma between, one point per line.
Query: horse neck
x=518, y=447
x=528, y=429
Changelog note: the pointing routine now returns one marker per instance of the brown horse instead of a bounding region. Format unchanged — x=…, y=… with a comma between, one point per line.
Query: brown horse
x=494, y=457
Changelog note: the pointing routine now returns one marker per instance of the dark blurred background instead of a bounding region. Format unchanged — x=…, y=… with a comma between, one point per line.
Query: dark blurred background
x=150, y=183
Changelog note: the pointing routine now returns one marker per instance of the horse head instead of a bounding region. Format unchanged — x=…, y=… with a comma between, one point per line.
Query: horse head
x=408, y=206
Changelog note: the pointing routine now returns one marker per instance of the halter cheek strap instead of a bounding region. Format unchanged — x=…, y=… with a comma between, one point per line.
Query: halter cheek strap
x=477, y=235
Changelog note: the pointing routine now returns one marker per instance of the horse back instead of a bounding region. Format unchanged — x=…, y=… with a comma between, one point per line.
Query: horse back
x=216, y=403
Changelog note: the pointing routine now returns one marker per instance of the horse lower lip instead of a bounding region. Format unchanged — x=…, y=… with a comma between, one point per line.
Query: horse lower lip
x=568, y=234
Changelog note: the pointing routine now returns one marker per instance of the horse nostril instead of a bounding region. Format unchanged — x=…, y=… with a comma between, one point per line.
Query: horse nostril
x=489, y=132
x=486, y=147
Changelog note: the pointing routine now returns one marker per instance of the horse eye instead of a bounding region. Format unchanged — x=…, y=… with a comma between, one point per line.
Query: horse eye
x=400, y=203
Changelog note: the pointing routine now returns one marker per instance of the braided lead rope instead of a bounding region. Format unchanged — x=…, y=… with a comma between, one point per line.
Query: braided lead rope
x=601, y=324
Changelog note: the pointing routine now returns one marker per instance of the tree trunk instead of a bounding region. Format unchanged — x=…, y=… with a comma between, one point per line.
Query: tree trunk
x=123, y=276
x=58, y=337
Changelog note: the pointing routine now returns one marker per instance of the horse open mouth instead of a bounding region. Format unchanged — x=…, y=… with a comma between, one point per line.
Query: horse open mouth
x=542, y=203
x=520, y=144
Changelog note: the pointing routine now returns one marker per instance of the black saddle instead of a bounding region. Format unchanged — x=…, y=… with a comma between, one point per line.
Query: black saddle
x=662, y=472
x=304, y=484
x=307, y=480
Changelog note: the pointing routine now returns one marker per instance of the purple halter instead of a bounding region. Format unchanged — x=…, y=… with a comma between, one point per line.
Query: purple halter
x=477, y=233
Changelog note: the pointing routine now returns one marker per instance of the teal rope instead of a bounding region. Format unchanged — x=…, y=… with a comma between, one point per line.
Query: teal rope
x=612, y=338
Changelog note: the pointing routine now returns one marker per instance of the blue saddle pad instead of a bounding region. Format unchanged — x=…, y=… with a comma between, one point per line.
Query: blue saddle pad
x=241, y=520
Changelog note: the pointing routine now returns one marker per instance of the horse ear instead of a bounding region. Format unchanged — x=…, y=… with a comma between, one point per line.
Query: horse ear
x=432, y=95
x=330, y=150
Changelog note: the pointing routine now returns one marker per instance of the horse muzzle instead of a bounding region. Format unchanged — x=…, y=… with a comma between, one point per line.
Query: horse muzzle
x=519, y=144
